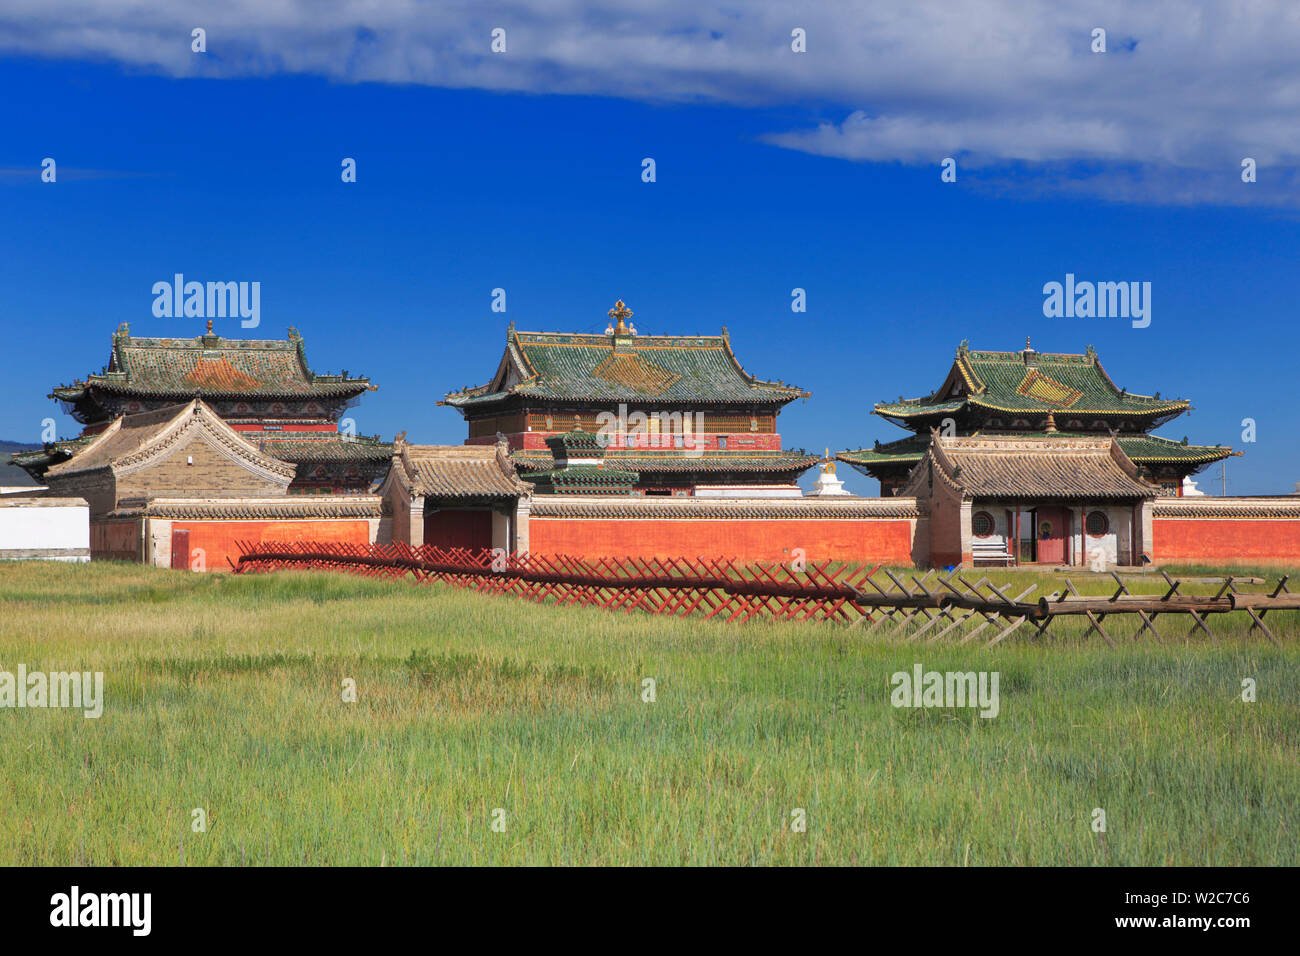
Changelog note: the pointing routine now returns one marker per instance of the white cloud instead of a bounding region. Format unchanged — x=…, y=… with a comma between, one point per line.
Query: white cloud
x=1009, y=86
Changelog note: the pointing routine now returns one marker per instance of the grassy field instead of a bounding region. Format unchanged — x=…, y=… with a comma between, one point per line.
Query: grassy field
x=225, y=693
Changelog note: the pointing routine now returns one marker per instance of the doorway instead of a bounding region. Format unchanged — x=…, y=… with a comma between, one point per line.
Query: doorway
x=1051, y=531
x=181, y=550
x=459, y=528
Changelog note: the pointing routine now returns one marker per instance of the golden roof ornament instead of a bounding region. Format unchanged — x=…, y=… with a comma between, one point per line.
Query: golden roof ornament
x=828, y=464
x=621, y=313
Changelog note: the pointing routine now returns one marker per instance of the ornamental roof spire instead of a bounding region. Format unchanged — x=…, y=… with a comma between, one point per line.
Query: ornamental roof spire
x=621, y=313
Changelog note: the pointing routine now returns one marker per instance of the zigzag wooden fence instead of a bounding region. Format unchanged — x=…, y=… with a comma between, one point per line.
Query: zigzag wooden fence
x=928, y=606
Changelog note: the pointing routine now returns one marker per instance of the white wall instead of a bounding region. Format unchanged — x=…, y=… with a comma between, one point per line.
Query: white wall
x=51, y=529
x=1001, y=533
x=501, y=531
x=1114, y=544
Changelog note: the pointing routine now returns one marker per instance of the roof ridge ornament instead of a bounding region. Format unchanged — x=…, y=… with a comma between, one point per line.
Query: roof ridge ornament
x=621, y=313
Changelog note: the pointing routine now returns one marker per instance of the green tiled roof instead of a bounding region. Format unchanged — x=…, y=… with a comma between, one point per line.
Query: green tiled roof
x=1152, y=448
x=573, y=479
x=576, y=444
x=319, y=446
x=909, y=449
x=36, y=460
x=593, y=472
x=213, y=367
x=1142, y=449
x=619, y=368
x=1031, y=382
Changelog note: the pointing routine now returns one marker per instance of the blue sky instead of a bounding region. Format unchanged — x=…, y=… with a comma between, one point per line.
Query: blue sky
x=235, y=176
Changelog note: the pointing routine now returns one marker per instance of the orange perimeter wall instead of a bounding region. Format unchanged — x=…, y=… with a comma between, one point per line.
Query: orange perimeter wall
x=218, y=538
x=884, y=540
x=1226, y=539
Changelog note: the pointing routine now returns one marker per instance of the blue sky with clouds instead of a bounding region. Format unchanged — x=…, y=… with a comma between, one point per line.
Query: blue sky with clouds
x=775, y=170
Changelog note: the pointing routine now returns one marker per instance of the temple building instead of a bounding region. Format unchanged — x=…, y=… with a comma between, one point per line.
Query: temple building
x=1029, y=394
x=663, y=415
x=178, y=486
x=1031, y=499
x=262, y=389
x=456, y=496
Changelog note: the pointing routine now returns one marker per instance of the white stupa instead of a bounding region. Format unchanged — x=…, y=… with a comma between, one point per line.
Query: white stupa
x=1189, y=488
x=827, y=484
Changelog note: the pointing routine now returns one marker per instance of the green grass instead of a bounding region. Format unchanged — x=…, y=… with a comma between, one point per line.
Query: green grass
x=224, y=693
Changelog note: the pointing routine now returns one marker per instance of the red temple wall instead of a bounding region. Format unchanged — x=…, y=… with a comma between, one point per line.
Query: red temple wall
x=883, y=540
x=736, y=441
x=1225, y=539
x=218, y=538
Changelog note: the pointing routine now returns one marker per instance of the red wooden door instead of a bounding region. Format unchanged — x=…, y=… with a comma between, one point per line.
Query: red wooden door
x=180, y=550
x=451, y=528
x=1051, y=535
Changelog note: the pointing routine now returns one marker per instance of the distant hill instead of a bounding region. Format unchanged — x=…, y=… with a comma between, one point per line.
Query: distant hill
x=11, y=475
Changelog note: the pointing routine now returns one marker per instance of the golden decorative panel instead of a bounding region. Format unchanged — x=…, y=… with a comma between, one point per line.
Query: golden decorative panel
x=631, y=370
x=1049, y=391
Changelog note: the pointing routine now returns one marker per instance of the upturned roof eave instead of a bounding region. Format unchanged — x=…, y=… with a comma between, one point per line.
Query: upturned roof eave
x=892, y=411
x=345, y=387
x=1173, y=452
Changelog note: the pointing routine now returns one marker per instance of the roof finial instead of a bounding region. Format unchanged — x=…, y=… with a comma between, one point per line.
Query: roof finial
x=1028, y=347
x=209, y=326
x=622, y=313
x=1051, y=424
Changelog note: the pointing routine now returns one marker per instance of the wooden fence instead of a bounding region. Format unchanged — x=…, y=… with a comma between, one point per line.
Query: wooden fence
x=929, y=606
